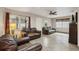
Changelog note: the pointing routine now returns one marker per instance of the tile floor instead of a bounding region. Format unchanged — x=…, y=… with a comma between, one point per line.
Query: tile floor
x=55, y=42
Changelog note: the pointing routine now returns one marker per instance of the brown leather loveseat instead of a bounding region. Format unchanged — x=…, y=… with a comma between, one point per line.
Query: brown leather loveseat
x=8, y=43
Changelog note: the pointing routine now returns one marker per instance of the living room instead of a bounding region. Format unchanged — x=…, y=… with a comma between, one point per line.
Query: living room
x=47, y=27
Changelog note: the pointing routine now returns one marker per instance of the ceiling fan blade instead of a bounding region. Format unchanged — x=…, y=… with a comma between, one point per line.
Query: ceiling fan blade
x=53, y=13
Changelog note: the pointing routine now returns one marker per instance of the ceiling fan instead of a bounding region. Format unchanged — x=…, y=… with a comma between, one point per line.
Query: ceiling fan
x=52, y=13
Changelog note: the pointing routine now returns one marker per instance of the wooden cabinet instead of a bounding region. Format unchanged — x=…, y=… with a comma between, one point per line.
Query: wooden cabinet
x=73, y=33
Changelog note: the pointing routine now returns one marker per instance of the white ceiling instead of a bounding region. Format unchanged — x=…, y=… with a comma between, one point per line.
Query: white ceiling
x=44, y=11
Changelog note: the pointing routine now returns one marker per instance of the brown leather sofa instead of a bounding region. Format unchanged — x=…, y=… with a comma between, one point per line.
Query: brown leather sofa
x=48, y=30
x=8, y=43
x=33, y=33
x=22, y=40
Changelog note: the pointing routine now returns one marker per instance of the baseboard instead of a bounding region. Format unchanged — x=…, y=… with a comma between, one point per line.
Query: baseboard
x=62, y=32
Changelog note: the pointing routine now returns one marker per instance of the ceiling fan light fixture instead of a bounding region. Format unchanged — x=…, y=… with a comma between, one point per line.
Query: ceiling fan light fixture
x=52, y=13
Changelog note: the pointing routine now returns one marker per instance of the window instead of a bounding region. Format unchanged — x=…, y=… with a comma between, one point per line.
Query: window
x=58, y=24
x=18, y=22
x=65, y=24
x=62, y=23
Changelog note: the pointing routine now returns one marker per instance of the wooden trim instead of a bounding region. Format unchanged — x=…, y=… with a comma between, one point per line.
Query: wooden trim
x=62, y=32
x=7, y=30
x=29, y=24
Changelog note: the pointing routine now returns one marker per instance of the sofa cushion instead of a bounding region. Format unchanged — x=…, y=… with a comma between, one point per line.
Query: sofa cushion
x=7, y=43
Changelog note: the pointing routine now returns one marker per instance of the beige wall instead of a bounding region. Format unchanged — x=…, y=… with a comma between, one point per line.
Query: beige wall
x=33, y=21
x=40, y=22
x=1, y=22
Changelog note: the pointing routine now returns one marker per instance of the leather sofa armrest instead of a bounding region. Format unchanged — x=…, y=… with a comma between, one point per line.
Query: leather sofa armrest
x=32, y=47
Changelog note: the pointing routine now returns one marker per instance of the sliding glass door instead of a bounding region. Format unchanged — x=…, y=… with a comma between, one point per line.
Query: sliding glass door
x=62, y=25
